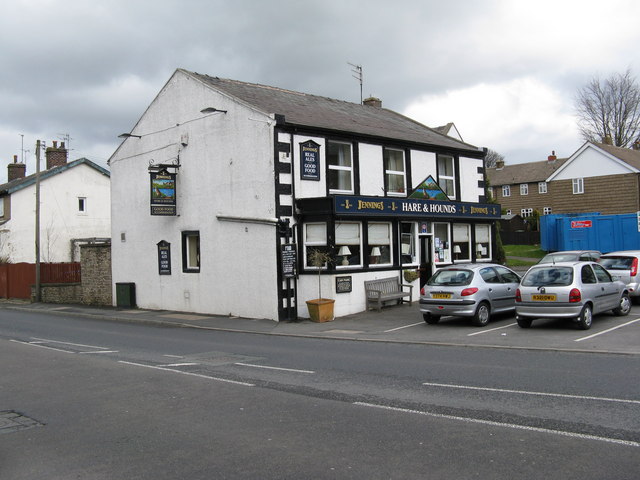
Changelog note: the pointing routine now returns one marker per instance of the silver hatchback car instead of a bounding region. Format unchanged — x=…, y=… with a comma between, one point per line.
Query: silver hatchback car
x=475, y=290
x=574, y=290
x=623, y=266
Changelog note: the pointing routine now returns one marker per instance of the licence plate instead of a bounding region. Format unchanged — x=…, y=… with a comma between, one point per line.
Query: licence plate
x=543, y=298
x=441, y=296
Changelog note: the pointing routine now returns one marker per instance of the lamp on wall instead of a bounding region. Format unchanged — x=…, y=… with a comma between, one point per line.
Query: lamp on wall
x=212, y=110
x=375, y=255
x=129, y=135
x=344, y=252
x=457, y=250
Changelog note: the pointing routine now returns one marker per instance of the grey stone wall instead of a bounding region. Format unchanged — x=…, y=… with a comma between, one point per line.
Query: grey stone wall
x=95, y=261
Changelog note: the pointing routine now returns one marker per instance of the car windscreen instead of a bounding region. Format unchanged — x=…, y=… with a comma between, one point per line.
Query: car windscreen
x=616, y=263
x=451, y=277
x=540, y=277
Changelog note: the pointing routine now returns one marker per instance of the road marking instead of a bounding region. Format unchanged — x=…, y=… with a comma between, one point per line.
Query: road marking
x=99, y=351
x=525, y=392
x=491, y=330
x=608, y=330
x=187, y=373
x=400, y=328
x=186, y=364
x=69, y=343
x=501, y=424
x=274, y=368
x=40, y=346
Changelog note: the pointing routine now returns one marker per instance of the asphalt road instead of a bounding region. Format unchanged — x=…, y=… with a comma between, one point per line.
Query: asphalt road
x=116, y=400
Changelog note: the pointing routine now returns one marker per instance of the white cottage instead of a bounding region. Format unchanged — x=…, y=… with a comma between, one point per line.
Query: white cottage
x=223, y=189
x=74, y=209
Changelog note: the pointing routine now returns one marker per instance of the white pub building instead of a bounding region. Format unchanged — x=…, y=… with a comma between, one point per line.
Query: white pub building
x=223, y=188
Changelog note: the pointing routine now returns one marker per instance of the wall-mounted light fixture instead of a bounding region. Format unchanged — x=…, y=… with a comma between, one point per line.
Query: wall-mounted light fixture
x=212, y=110
x=129, y=135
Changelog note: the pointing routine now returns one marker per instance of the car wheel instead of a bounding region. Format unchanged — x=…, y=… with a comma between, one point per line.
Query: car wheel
x=624, y=307
x=523, y=322
x=431, y=319
x=585, y=318
x=481, y=317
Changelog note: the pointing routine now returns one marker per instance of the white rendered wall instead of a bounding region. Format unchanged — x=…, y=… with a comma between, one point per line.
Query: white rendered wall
x=469, y=178
x=60, y=220
x=371, y=170
x=308, y=188
x=423, y=164
x=226, y=169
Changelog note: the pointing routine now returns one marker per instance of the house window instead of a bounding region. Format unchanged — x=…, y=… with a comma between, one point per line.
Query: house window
x=82, y=204
x=408, y=243
x=490, y=192
x=483, y=242
x=506, y=190
x=379, y=235
x=526, y=212
x=542, y=187
x=461, y=242
x=441, y=242
x=578, y=186
x=340, y=163
x=509, y=212
x=190, y=252
x=446, y=175
x=394, y=171
x=546, y=211
x=524, y=189
x=348, y=244
x=315, y=238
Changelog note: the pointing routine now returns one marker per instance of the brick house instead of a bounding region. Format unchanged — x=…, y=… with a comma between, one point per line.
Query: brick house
x=596, y=178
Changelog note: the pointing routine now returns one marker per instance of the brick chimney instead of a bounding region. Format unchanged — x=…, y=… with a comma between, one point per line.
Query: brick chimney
x=607, y=140
x=56, y=156
x=16, y=170
x=552, y=157
x=636, y=145
x=372, y=102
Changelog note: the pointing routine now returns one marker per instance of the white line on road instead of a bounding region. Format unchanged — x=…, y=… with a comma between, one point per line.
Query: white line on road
x=525, y=392
x=507, y=425
x=406, y=326
x=99, y=351
x=491, y=330
x=41, y=346
x=608, y=330
x=186, y=364
x=274, y=368
x=188, y=373
x=69, y=343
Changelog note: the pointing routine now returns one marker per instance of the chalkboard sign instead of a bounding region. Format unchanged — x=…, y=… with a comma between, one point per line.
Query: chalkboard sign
x=164, y=258
x=343, y=284
x=289, y=260
x=310, y=160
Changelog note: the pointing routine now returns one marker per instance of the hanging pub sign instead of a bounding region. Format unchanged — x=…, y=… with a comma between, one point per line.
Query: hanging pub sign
x=164, y=258
x=310, y=160
x=163, y=193
x=289, y=260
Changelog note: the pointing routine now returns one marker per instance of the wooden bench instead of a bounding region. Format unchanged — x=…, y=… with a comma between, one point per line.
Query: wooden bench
x=384, y=289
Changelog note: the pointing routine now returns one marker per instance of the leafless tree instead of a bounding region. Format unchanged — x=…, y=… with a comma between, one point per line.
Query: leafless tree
x=610, y=108
x=492, y=158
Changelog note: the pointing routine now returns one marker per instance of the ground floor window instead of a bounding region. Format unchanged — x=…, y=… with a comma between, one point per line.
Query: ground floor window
x=408, y=243
x=461, y=242
x=442, y=244
x=191, y=252
x=315, y=238
x=348, y=244
x=379, y=235
x=483, y=242
x=546, y=211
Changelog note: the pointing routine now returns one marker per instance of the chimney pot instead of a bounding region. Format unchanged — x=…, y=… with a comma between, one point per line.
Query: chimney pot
x=15, y=159
x=372, y=102
x=552, y=157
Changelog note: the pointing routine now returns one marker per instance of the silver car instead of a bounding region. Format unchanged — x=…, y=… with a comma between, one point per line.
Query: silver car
x=574, y=290
x=571, y=256
x=623, y=266
x=475, y=290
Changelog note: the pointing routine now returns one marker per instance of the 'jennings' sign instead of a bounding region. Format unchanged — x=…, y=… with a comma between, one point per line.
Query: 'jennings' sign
x=163, y=193
x=310, y=160
x=379, y=206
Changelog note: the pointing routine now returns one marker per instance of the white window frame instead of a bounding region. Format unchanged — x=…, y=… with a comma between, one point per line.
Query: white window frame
x=509, y=212
x=341, y=168
x=457, y=228
x=412, y=236
x=371, y=245
x=442, y=176
x=398, y=173
x=442, y=249
x=526, y=212
x=483, y=240
x=578, y=186
x=82, y=205
x=524, y=189
x=309, y=244
x=542, y=187
x=506, y=190
x=191, y=252
x=341, y=242
x=546, y=210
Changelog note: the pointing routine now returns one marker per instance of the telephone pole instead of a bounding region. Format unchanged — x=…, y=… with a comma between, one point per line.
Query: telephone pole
x=38, y=289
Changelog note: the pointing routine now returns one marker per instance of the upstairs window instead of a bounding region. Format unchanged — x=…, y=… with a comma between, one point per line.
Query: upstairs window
x=524, y=189
x=82, y=205
x=542, y=187
x=446, y=175
x=339, y=160
x=394, y=171
x=506, y=190
x=578, y=186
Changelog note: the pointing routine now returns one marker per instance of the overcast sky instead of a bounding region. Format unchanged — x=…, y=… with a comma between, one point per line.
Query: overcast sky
x=505, y=72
